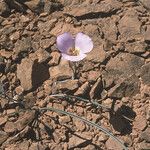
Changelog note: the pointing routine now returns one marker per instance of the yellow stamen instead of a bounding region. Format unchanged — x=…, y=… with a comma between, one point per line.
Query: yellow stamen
x=73, y=52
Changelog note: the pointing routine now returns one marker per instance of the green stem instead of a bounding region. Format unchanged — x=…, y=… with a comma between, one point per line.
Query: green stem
x=87, y=122
x=82, y=99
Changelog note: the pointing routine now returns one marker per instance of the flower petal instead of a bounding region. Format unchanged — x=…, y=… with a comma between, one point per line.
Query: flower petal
x=83, y=43
x=74, y=58
x=64, y=42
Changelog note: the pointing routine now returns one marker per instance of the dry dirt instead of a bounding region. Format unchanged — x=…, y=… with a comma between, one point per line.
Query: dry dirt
x=116, y=74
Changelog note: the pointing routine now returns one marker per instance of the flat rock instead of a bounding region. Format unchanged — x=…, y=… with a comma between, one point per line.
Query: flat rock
x=147, y=33
x=23, y=45
x=24, y=145
x=67, y=85
x=96, y=89
x=3, y=102
x=146, y=3
x=3, y=137
x=64, y=119
x=34, y=5
x=80, y=125
x=37, y=145
x=129, y=26
x=3, y=120
x=8, y=29
x=92, y=76
x=140, y=123
x=136, y=47
x=46, y=27
x=112, y=144
x=127, y=88
x=42, y=55
x=83, y=89
x=97, y=55
x=145, y=74
x=10, y=127
x=109, y=29
x=143, y=146
x=79, y=138
x=49, y=6
x=87, y=66
x=45, y=43
x=55, y=58
x=62, y=71
x=120, y=67
x=31, y=73
x=107, y=6
x=25, y=119
x=145, y=135
x=6, y=54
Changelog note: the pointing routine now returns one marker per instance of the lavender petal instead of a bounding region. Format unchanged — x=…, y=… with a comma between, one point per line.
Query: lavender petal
x=74, y=58
x=83, y=43
x=64, y=42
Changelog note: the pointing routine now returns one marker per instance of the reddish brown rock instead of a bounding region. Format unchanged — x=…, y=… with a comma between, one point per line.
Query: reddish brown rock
x=31, y=73
x=96, y=89
x=107, y=6
x=15, y=36
x=37, y=145
x=97, y=55
x=46, y=26
x=19, y=90
x=145, y=135
x=143, y=146
x=42, y=55
x=24, y=19
x=25, y=119
x=3, y=120
x=23, y=45
x=145, y=74
x=62, y=71
x=109, y=29
x=10, y=127
x=87, y=66
x=55, y=58
x=83, y=90
x=146, y=3
x=3, y=137
x=45, y=43
x=75, y=140
x=127, y=88
x=67, y=85
x=147, y=34
x=120, y=67
x=136, y=47
x=64, y=119
x=80, y=126
x=93, y=75
x=140, y=123
x=6, y=54
x=130, y=26
x=34, y=5
x=112, y=144
x=4, y=102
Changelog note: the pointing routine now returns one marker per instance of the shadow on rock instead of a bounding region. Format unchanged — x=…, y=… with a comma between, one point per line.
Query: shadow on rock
x=121, y=120
x=40, y=73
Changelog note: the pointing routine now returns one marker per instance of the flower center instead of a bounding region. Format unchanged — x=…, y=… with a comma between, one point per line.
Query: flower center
x=73, y=51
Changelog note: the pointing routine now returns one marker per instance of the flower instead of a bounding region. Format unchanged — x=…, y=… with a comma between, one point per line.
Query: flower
x=74, y=49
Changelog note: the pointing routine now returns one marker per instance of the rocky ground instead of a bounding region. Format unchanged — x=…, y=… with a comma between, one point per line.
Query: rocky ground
x=116, y=73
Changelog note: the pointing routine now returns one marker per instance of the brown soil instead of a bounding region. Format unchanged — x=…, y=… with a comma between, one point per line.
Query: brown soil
x=116, y=74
